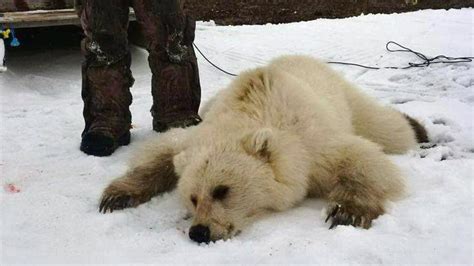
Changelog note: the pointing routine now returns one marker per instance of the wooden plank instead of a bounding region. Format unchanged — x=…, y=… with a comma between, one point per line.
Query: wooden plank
x=42, y=18
x=30, y=5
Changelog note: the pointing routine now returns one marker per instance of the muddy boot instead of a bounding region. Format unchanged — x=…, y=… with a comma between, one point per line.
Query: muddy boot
x=100, y=144
x=175, y=83
x=176, y=94
x=162, y=125
x=107, y=122
x=106, y=77
x=107, y=98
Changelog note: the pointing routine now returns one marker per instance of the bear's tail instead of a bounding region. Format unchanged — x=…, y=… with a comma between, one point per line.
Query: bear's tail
x=420, y=131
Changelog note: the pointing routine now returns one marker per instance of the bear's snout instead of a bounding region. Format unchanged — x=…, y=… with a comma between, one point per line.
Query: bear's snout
x=200, y=233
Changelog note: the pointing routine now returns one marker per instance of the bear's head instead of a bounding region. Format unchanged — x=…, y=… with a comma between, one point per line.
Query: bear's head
x=227, y=185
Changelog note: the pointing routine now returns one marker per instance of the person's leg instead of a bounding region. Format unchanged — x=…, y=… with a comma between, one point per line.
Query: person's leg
x=175, y=84
x=106, y=76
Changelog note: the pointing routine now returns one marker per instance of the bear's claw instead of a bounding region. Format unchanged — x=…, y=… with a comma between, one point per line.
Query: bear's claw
x=339, y=215
x=333, y=212
x=111, y=203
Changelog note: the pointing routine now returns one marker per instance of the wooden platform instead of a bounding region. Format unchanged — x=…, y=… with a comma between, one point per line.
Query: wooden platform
x=42, y=18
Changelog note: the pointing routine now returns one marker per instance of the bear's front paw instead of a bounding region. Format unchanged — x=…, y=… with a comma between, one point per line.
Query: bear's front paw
x=118, y=196
x=116, y=202
x=350, y=214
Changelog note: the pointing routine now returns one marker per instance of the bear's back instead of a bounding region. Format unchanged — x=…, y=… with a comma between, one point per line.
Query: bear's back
x=324, y=81
x=327, y=88
x=292, y=92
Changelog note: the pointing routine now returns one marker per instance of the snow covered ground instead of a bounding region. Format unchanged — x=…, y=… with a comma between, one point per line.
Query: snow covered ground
x=51, y=190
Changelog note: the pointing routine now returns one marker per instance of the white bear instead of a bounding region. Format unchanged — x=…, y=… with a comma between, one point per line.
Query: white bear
x=276, y=135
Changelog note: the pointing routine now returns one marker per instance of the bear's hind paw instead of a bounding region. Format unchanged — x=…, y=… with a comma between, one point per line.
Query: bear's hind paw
x=340, y=214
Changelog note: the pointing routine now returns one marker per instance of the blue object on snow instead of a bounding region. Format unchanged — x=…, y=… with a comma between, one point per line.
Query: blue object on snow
x=15, y=42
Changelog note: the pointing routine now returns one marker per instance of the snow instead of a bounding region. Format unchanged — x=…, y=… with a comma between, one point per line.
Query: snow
x=50, y=190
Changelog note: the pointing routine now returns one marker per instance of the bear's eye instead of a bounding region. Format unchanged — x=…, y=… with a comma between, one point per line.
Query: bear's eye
x=194, y=200
x=220, y=192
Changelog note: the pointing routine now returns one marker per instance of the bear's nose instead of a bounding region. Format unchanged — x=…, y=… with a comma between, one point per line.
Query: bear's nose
x=200, y=233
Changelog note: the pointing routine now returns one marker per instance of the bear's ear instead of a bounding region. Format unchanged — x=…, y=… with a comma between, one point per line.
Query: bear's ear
x=259, y=143
x=180, y=161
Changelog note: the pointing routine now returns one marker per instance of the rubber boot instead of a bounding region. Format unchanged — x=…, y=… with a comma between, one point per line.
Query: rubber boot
x=106, y=76
x=175, y=83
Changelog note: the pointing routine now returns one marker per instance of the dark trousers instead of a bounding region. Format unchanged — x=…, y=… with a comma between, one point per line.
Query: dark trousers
x=106, y=74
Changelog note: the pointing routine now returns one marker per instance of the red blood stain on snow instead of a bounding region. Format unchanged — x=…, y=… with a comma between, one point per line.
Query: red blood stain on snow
x=11, y=188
